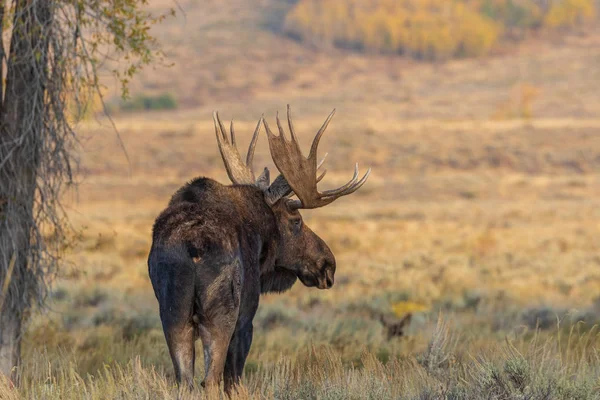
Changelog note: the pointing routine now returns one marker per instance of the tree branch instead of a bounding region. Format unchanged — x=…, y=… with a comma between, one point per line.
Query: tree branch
x=2, y=53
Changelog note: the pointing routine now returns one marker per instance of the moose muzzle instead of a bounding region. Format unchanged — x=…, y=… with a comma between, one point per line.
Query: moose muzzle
x=326, y=276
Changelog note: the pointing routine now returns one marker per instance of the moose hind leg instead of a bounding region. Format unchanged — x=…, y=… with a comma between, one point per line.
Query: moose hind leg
x=239, y=347
x=220, y=309
x=176, y=301
x=215, y=341
x=180, y=340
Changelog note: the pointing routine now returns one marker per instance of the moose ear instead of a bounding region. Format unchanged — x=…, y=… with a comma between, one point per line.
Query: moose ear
x=264, y=180
x=278, y=190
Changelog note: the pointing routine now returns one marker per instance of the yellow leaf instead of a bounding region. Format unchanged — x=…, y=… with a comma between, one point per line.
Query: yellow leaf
x=404, y=307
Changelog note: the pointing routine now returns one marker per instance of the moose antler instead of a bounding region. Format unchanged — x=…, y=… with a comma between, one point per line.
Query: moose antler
x=281, y=188
x=300, y=172
x=239, y=172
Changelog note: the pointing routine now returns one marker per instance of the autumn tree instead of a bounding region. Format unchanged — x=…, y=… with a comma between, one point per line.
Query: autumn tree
x=50, y=58
x=430, y=29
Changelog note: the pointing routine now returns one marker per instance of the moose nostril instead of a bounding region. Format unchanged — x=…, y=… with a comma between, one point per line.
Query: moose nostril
x=329, y=271
x=329, y=281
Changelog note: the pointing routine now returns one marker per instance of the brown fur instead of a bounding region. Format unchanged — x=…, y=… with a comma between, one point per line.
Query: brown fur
x=215, y=249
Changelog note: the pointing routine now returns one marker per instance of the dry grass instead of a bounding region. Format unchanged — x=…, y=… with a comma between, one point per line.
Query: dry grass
x=537, y=367
x=493, y=223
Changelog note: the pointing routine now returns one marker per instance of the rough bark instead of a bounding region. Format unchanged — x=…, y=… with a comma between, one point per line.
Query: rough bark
x=10, y=349
x=2, y=52
x=21, y=141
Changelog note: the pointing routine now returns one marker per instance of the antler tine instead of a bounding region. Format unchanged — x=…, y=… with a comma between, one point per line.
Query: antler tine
x=322, y=160
x=320, y=178
x=232, y=133
x=216, y=121
x=221, y=126
x=218, y=131
x=238, y=172
x=350, y=189
x=252, y=147
x=281, y=131
x=333, y=192
x=292, y=131
x=315, y=143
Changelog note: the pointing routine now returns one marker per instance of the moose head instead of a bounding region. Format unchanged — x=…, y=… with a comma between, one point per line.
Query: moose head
x=300, y=250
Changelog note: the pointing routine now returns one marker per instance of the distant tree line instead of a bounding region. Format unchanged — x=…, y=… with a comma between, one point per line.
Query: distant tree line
x=431, y=29
x=144, y=102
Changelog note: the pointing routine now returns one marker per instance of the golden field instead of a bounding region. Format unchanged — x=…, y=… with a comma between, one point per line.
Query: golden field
x=482, y=212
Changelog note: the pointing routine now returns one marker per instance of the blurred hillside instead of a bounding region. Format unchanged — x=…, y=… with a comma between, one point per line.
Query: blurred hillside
x=239, y=53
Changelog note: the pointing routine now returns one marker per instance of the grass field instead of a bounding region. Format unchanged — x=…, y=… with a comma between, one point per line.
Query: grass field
x=482, y=211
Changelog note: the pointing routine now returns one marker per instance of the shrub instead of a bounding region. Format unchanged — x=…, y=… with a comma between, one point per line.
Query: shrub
x=138, y=324
x=513, y=14
x=90, y=297
x=144, y=102
x=569, y=13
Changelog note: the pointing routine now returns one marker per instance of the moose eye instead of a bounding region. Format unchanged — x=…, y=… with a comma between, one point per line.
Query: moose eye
x=296, y=224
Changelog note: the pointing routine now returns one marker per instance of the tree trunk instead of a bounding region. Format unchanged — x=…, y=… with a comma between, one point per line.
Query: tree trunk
x=21, y=138
x=10, y=350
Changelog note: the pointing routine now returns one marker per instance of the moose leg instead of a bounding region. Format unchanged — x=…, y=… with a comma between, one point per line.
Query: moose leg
x=180, y=333
x=215, y=341
x=220, y=308
x=173, y=284
x=180, y=340
x=239, y=347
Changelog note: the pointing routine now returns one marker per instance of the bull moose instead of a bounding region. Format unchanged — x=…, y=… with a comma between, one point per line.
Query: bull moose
x=216, y=248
